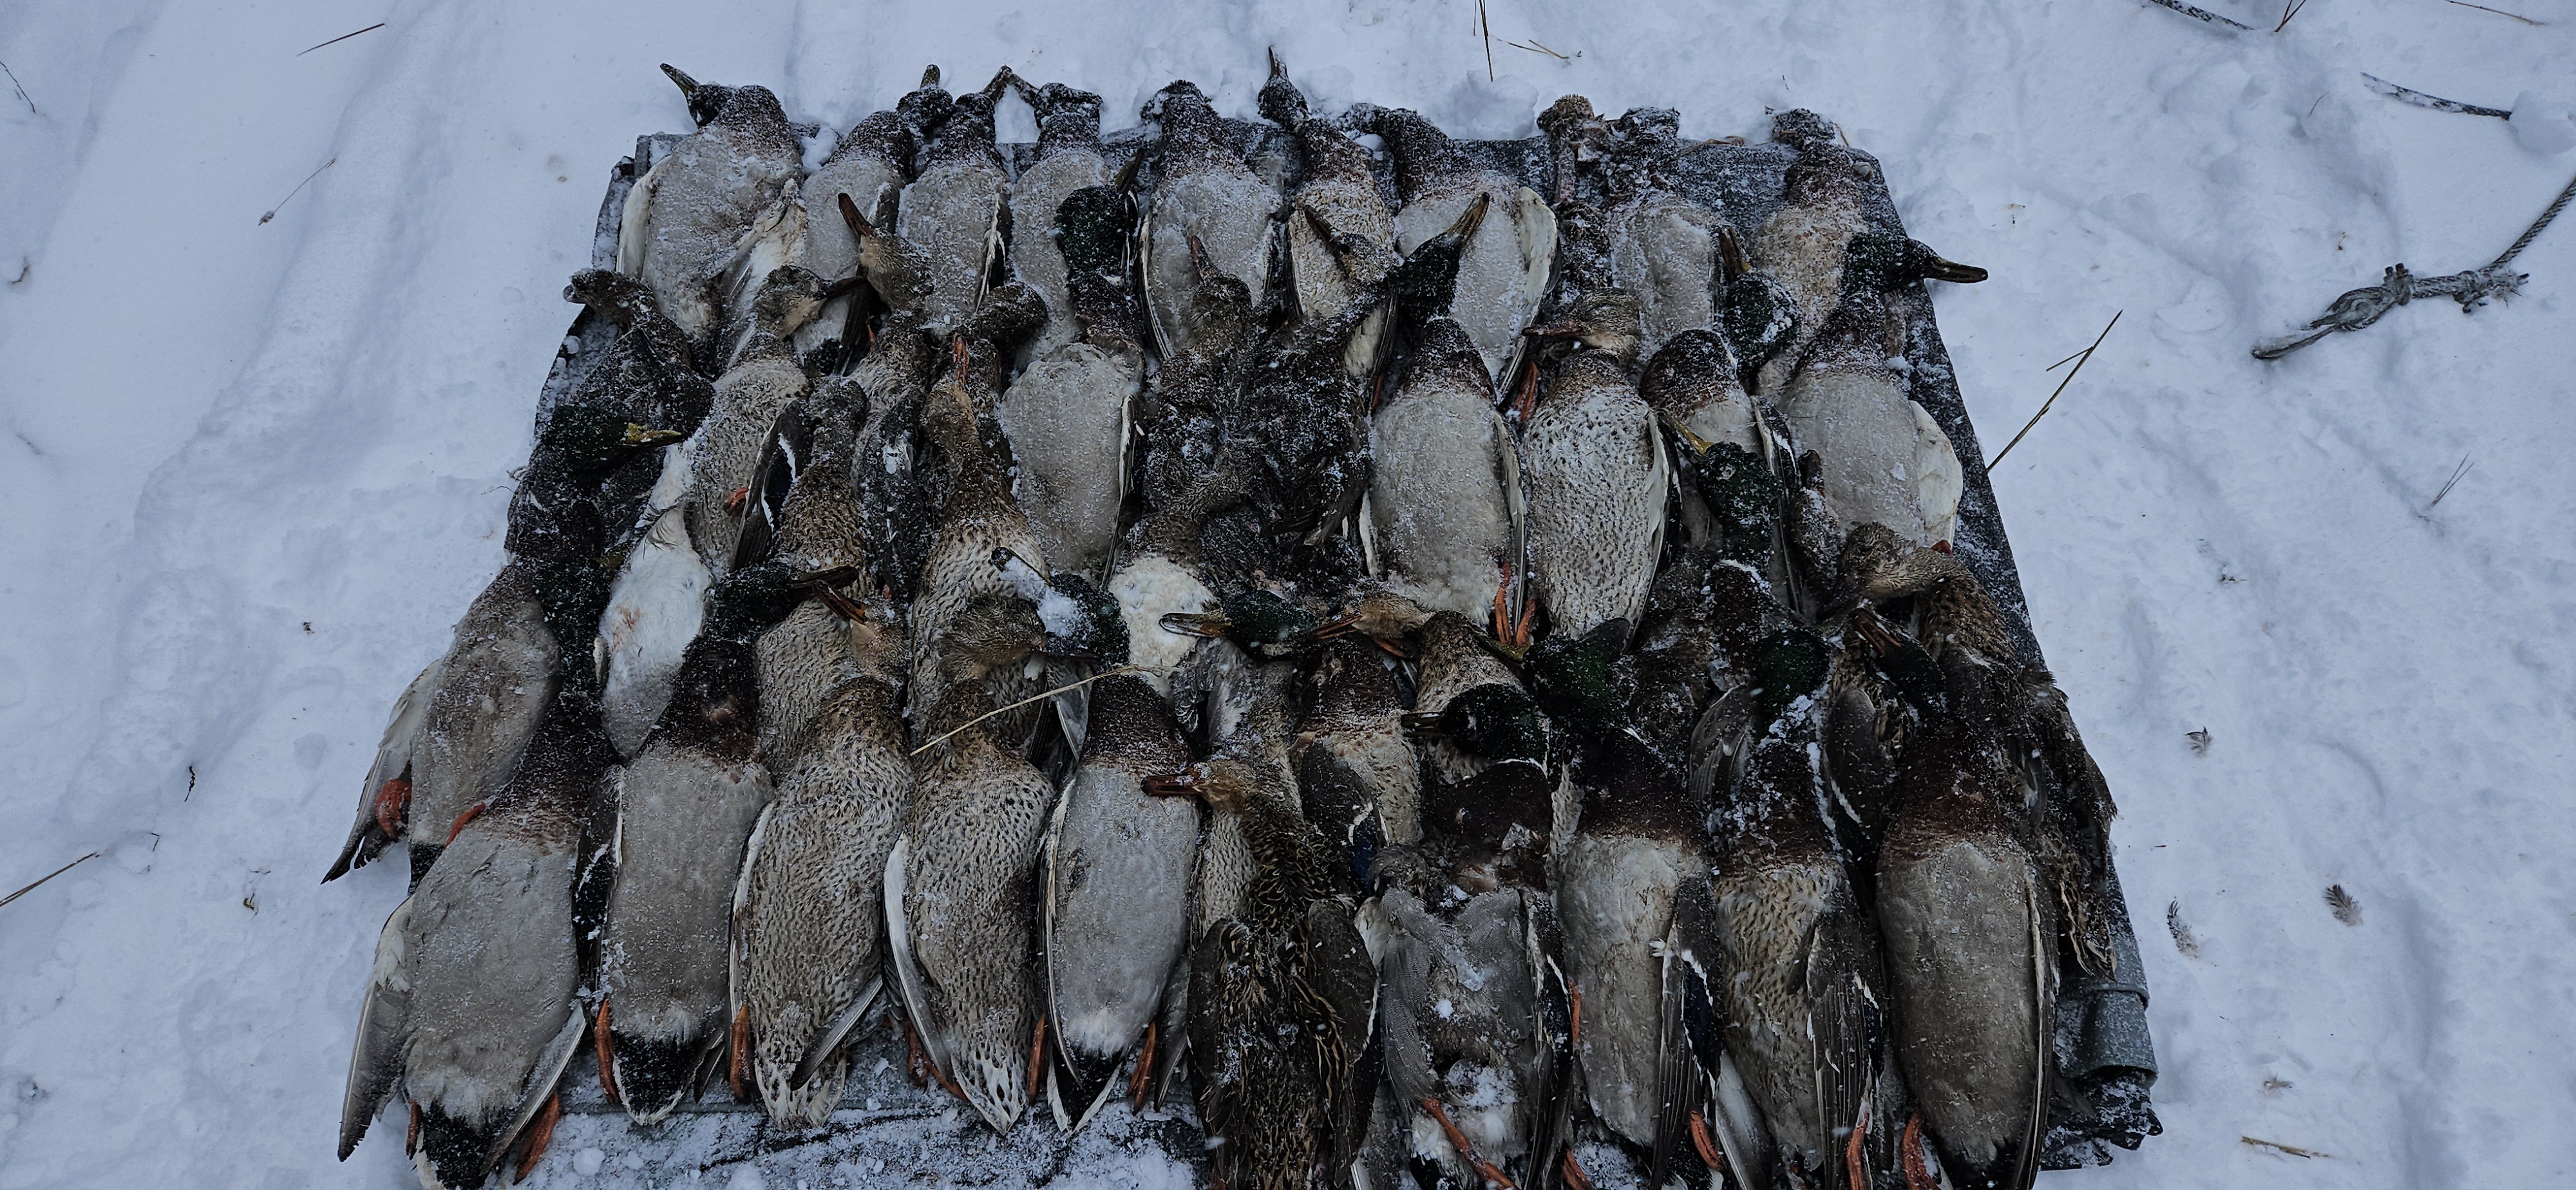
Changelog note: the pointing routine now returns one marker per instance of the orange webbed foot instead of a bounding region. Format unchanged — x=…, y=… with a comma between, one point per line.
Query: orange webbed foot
x=606, y=1046
x=1143, y=1079
x=1704, y=1144
x=393, y=803
x=1918, y=1172
x=541, y=1132
x=1037, y=1057
x=740, y=1058
x=1466, y=1150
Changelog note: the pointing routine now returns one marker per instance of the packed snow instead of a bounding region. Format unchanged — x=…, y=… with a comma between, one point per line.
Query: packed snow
x=259, y=465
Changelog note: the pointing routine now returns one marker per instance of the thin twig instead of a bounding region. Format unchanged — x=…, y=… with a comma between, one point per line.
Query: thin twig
x=48, y=876
x=299, y=188
x=2292, y=1150
x=943, y=736
x=1487, y=28
x=1538, y=47
x=2202, y=14
x=2081, y=358
x=2457, y=474
x=2499, y=12
x=22, y=91
x=2435, y=102
x=341, y=38
x=2287, y=13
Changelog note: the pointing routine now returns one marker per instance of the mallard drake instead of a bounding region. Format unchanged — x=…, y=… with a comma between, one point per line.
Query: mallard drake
x=1068, y=161
x=1202, y=191
x=647, y=375
x=809, y=912
x=871, y=165
x=470, y=1007
x=1116, y=885
x=1282, y=993
x=685, y=218
x=684, y=808
x=1971, y=950
x=1503, y=271
x=1069, y=414
x=1809, y=237
x=1885, y=461
x=1593, y=472
x=949, y=222
x=1663, y=246
x=958, y=885
x=457, y=732
x=1341, y=238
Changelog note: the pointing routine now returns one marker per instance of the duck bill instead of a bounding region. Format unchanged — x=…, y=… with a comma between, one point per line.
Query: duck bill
x=1472, y=218
x=859, y=225
x=841, y=289
x=1278, y=69
x=1565, y=328
x=1940, y=269
x=645, y=436
x=1171, y=785
x=688, y=86
x=1200, y=624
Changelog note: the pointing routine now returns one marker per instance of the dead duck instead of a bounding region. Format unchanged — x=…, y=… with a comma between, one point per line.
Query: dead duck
x=1202, y=190
x=1593, y=472
x=684, y=807
x=1116, y=886
x=470, y=1009
x=1970, y=943
x=1068, y=161
x=685, y=218
x=1341, y=238
x=648, y=374
x=1503, y=272
x=764, y=377
x=950, y=218
x=1356, y=768
x=1282, y=993
x=802, y=514
x=1664, y=247
x=458, y=730
x=1885, y=460
x=1797, y=970
x=1810, y=236
x=808, y=913
x=871, y=165
x=959, y=883
x=893, y=479
x=1069, y=415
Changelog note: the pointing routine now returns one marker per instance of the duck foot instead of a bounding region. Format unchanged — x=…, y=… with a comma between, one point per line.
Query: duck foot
x=736, y=500
x=411, y=1136
x=393, y=800
x=921, y=1054
x=1143, y=1078
x=1851, y=1151
x=1503, y=602
x=1918, y=1172
x=606, y=1045
x=1705, y=1145
x=541, y=1132
x=913, y=1061
x=1574, y=1007
x=1525, y=402
x=736, y=1061
x=471, y=813
x=1466, y=1150
x=1037, y=1057
x=1573, y=1171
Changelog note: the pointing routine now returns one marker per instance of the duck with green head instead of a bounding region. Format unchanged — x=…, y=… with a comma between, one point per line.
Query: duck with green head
x=1885, y=461
x=470, y=1009
x=684, y=218
x=1820, y=226
x=1069, y=160
x=456, y=734
x=684, y=807
x=1068, y=416
x=1202, y=192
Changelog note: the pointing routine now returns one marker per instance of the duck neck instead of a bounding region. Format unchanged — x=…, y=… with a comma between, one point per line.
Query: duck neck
x=715, y=700
x=881, y=137
x=1425, y=158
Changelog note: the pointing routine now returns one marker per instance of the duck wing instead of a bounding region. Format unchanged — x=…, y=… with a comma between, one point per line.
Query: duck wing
x=1550, y=1094
x=1849, y=1032
x=384, y=1020
x=1690, y=1025
x=541, y=1083
x=368, y=838
x=907, y=969
x=783, y=455
x=1340, y=987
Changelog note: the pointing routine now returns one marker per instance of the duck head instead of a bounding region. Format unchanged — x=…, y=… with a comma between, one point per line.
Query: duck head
x=1649, y=148
x=1574, y=679
x=706, y=100
x=926, y=107
x=1758, y=314
x=1220, y=305
x=1280, y=101
x=1883, y=261
x=747, y=602
x=1425, y=157
x=1784, y=667
x=992, y=632
x=1578, y=138
x=1495, y=722
x=1067, y=118
x=1380, y=614
x=592, y=442
x=1605, y=320
x=1265, y=624
x=1081, y=620
x=790, y=296
x=1692, y=369
x=1877, y=565
x=1223, y=782
x=1427, y=281
x=752, y=110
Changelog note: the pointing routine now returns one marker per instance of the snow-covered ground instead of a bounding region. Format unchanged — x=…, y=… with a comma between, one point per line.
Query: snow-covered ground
x=253, y=471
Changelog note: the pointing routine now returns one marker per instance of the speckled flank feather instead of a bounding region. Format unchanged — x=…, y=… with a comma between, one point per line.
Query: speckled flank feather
x=727, y=447
x=1067, y=420
x=809, y=922
x=495, y=684
x=1962, y=922
x=1592, y=471
x=654, y=611
x=972, y=837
